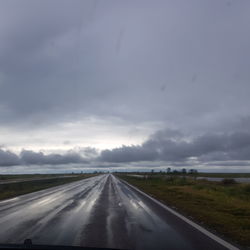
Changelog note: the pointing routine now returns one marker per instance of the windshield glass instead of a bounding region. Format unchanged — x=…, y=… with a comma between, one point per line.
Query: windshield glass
x=99, y=95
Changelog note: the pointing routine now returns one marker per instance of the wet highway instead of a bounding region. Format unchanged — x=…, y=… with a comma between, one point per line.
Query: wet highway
x=101, y=211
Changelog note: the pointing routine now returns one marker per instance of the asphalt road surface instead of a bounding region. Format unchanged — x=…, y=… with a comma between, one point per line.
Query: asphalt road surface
x=100, y=211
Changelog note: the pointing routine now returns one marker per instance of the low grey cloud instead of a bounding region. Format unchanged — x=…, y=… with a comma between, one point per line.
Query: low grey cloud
x=128, y=154
x=165, y=147
x=28, y=157
x=88, y=152
x=162, y=147
x=7, y=158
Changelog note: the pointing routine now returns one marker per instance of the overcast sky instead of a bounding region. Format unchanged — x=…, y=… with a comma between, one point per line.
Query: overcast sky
x=124, y=84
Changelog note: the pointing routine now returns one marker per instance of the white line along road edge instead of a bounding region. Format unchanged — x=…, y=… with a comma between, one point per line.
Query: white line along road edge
x=198, y=227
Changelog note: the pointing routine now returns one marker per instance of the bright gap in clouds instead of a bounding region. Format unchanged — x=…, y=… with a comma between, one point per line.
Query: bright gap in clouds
x=98, y=133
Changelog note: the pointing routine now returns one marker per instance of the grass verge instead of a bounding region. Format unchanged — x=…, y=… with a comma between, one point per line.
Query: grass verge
x=225, y=175
x=10, y=190
x=224, y=208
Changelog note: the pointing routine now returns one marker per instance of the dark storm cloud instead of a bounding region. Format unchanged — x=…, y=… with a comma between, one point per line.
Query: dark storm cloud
x=88, y=152
x=207, y=147
x=128, y=154
x=8, y=158
x=28, y=157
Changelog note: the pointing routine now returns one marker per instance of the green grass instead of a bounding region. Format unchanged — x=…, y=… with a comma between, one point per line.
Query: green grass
x=199, y=174
x=222, y=208
x=10, y=190
x=225, y=175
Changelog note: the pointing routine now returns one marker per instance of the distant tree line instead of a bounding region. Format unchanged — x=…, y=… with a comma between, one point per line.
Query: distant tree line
x=183, y=171
x=168, y=171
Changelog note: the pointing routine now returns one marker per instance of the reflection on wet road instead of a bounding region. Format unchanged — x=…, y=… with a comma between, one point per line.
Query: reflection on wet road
x=100, y=211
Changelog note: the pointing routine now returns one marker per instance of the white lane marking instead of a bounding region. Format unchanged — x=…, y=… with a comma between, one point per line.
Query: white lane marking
x=198, y=227
x=9, y=200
